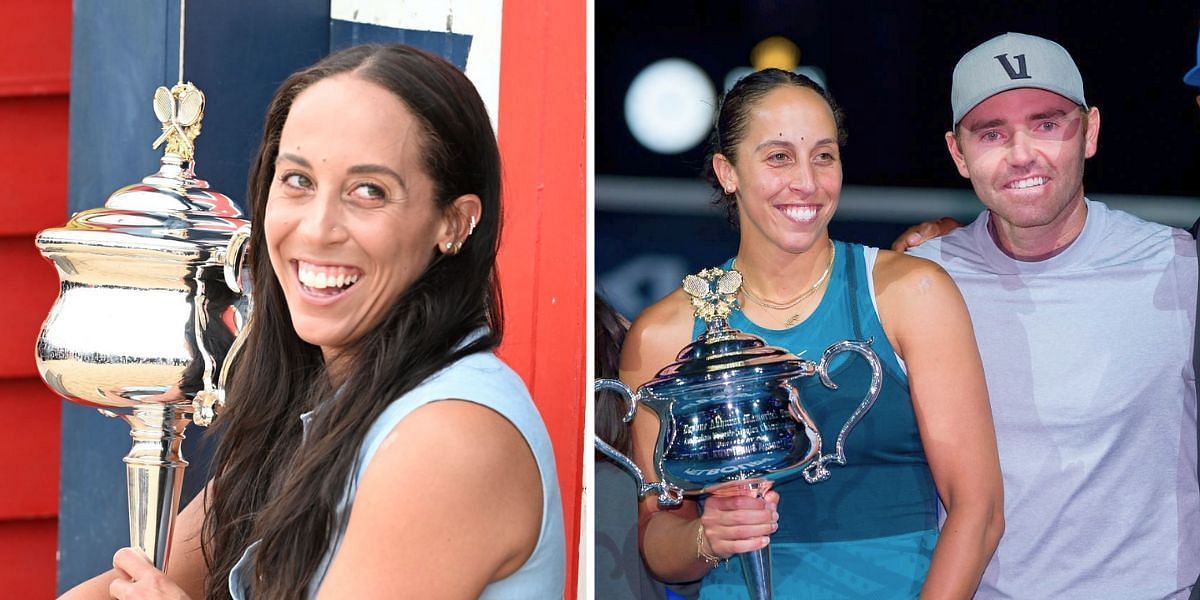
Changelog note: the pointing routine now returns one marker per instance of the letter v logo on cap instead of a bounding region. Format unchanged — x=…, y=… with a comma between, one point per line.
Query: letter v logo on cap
x=1020, y=72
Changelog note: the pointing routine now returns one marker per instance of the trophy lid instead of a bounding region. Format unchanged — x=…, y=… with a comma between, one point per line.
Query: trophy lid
x=722, y=354
x=171, y=214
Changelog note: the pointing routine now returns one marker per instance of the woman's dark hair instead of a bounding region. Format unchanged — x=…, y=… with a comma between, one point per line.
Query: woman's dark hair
x=733, y=115
x=264, y=487
x=610, y=408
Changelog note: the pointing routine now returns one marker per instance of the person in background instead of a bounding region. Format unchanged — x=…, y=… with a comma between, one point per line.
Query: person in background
x=1192, y=78
x=619, y=568
x=620, y=572
x=871, y=530
x=1084, y=317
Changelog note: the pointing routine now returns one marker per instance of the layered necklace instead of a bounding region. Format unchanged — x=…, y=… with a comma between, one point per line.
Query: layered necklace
x=788, y=304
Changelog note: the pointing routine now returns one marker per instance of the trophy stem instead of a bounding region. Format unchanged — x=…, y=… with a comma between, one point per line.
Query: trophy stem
x=756, y=568
x=154, y=474
x=756, y=564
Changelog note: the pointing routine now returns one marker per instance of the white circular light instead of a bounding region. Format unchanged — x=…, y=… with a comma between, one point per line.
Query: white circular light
x=669, y=106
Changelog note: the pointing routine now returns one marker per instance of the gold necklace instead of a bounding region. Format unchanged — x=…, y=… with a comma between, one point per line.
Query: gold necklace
x=756, y=299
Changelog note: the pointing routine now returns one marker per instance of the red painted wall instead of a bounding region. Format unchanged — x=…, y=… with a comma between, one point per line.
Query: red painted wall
x=35, y=51
x=543, y=79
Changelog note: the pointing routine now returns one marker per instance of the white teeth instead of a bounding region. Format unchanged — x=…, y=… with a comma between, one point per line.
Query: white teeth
x=800, y=213
x=315, y=279
x=1027, y=183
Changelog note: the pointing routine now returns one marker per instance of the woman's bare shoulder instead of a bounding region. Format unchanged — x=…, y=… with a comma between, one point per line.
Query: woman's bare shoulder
x=905, y=282
x=656, y=337
x=450, y=473
x=673, y=311
x=905, y=269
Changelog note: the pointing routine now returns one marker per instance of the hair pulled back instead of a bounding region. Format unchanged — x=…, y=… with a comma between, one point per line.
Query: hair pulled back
x=733, y=117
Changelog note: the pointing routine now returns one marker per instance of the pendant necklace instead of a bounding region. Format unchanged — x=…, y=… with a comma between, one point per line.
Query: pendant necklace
x=756, y=299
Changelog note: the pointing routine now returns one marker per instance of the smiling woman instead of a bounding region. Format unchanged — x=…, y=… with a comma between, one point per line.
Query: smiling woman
x=351, y=219
x=871, y=530
x=372, y=437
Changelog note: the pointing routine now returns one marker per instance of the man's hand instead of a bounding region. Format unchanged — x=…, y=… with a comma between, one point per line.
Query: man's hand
x=919, y=234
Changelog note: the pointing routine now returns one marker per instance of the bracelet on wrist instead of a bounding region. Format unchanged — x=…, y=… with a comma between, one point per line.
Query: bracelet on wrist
x=712, y=559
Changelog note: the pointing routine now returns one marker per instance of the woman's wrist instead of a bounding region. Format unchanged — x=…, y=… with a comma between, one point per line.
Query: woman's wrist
x=704, y=549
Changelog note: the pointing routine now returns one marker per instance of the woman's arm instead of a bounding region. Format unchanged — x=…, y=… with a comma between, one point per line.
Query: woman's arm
x=927, y=322
x=451, y=501
x=186, y=568
x=669, y=537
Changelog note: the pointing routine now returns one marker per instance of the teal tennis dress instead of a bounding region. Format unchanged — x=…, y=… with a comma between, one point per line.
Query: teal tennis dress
x=869, y=530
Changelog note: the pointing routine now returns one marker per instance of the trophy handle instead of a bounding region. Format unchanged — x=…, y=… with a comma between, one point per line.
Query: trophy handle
x=235, y=258
x=208, y=402
x=817, y=471
x=668, y=495
x=796, y=409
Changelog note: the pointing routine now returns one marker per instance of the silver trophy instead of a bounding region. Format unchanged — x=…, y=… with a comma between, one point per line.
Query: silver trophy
x=151, y=303
x=731, y=420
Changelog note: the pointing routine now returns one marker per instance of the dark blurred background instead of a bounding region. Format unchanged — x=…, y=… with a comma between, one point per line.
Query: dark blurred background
x=889, y=66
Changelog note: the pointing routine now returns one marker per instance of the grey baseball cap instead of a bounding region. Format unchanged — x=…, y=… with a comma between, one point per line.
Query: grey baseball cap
x=1011, y=61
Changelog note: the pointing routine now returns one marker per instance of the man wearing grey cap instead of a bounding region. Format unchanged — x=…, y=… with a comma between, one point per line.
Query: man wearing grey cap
x=1084, y=317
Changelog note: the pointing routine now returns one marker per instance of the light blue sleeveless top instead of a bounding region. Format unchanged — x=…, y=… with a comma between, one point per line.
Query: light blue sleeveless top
x=869, y=530
x=484, y=379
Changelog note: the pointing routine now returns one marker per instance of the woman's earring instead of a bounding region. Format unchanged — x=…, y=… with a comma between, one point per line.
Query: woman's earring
x=471, y=229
